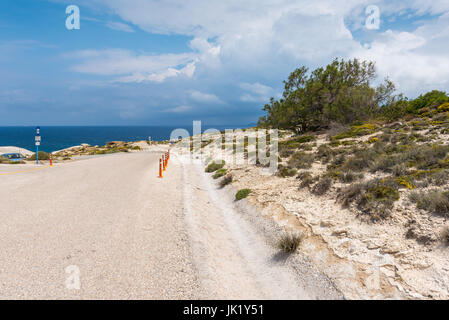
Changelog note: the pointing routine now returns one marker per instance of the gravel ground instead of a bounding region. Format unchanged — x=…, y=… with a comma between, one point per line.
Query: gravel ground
x=134, y=236
x=110, y=217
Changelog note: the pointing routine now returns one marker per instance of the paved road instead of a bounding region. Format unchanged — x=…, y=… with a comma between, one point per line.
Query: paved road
x=110, y=223
x=108, y=218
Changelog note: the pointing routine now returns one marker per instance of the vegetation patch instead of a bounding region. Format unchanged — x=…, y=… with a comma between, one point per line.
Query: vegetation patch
x=285, y=172
x=301, y=160
x=434, y=201
x=42, y=156
x=289, y=243
x=373, y=140
x=288, y=147
x=214, y=166
x=444, y=107
x=220, y=173
x=374, y=198
x=242, y=194
x=322, y=186
x=226, y=180
x=306, y=179
x=356, y=131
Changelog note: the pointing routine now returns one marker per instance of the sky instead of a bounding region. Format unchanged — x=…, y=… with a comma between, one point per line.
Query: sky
x=169, y=62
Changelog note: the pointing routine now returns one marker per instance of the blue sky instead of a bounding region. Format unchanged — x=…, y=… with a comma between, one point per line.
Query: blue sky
x=148, y=62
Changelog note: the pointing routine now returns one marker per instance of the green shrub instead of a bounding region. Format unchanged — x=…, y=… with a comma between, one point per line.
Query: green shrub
x=303, y=139
x=285, y=153
x=399, y=170
x=322, y=186
x=356, y=131
x=288, y=147
x=430, y=100
x=306, y=180
x=361, y=160
x=226, y=180
x=348, y=177
x=301, y=160
x=286, y=172
x=219, y=173
x=435, y=201
x=374, y=198
x=42, y=156
x=214, y=166
x=325, y=153
x=242, y=194
x=289, y=243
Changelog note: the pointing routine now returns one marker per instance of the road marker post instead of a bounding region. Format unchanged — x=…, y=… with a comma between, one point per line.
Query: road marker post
x=51, y=160
x=160, y=169
x=163, y=162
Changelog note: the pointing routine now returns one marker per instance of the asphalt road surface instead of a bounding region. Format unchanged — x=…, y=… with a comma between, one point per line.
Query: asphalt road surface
x=108, y=228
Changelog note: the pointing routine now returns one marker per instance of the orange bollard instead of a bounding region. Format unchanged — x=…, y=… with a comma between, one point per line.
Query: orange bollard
x=160, y=169
x=51, y=160
x=163, y=162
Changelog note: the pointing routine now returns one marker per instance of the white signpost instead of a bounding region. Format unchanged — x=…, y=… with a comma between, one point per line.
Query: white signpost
x=38, y=140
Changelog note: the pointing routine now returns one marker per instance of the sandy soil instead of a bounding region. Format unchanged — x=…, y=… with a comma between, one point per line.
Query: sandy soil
x=234, y=259
x=364, y=260
x=133, y=235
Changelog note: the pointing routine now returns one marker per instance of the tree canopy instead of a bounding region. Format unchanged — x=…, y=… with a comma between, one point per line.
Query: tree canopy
x=341, y=92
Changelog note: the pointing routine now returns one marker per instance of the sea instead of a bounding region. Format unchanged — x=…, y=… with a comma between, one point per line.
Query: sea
x=55, y=138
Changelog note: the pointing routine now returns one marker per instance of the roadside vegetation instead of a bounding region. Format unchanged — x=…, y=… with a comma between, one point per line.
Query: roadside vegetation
x=289, y=243
x=365, y=146
x=86, y=150
x=42, y=156
x=214, y=166
x=219, y=173
x=242, y=194
x=226, y=180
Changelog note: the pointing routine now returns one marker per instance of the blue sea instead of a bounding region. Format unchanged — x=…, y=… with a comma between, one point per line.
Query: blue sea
x=57, y=138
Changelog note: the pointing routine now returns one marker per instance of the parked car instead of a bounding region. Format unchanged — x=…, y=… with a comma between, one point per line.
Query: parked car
x=16, y=157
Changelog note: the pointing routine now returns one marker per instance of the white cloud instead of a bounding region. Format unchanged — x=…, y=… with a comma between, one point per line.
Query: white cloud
x=257, y=92
x=119, y=26
x=180, y=109
x=159, y=77
x=238, y=41
x=417, y=61
x=205, y=97
x=134, y=68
